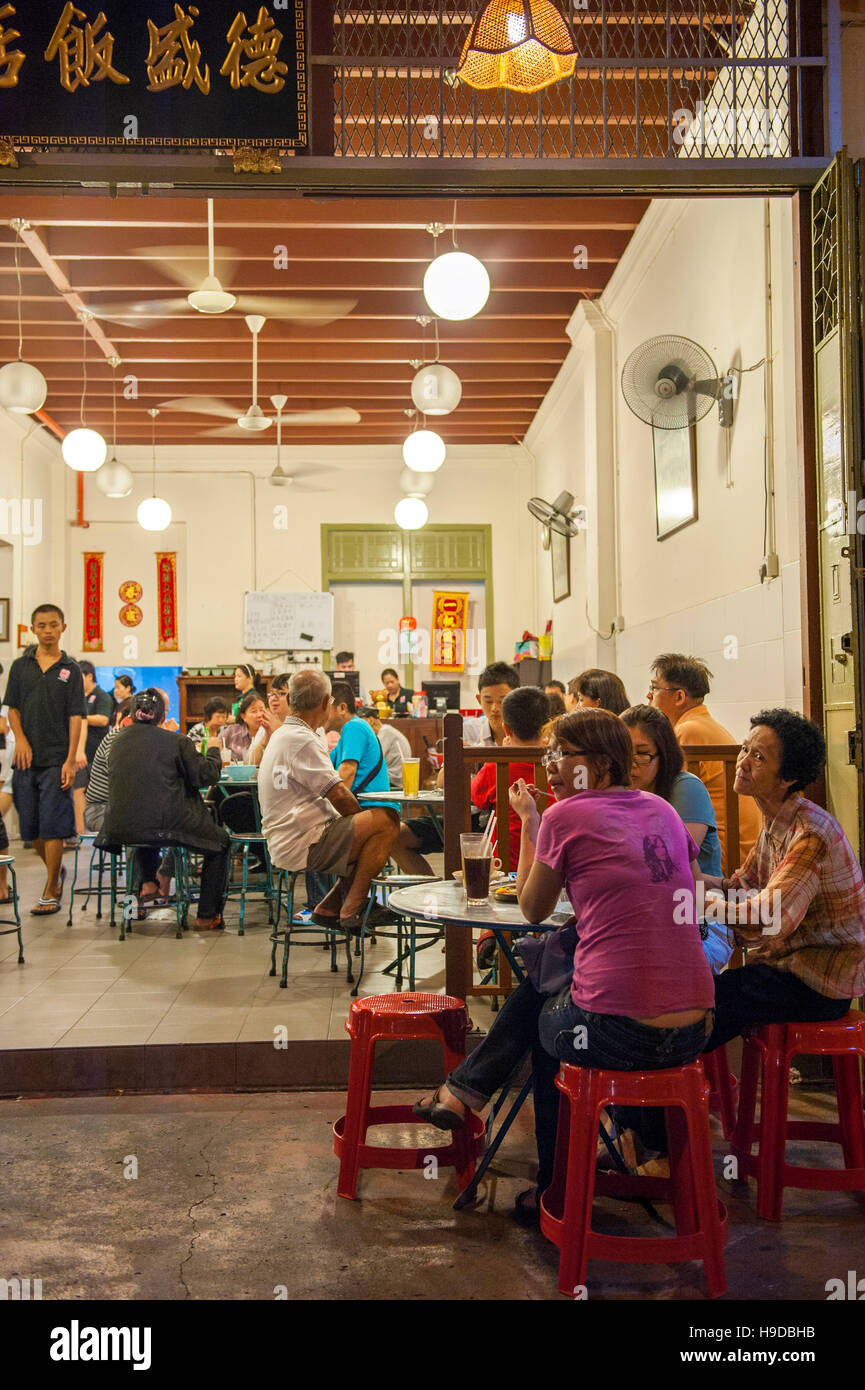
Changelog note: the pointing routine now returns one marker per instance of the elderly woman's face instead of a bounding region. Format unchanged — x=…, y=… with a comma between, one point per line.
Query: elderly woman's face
x=759, y=763
x=254, y=715
x=391, y=684
x=568, y=772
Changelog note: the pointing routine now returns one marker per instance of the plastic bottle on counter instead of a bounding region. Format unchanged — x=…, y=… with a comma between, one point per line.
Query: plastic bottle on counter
x=420, y=708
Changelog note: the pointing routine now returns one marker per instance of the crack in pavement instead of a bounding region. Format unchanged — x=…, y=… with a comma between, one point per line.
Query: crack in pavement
x=215, y=1180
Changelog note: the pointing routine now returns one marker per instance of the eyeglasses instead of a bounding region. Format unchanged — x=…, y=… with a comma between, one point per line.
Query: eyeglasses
x=670, y=689
x=643, y=758
x=555, y=755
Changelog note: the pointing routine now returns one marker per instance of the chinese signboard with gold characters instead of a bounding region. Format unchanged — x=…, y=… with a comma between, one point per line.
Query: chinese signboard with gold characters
x=153, y=73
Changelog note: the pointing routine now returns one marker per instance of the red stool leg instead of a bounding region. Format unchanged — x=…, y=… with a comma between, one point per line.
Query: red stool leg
x=723, y=1084
x=705, y=1196
x=681, y=1169
x=743, y=1132
x=357, y=1103
x=773, y=1125
x=848, y=1089
x=582, y=1143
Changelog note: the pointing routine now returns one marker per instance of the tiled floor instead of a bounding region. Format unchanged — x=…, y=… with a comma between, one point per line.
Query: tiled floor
x=82, y=986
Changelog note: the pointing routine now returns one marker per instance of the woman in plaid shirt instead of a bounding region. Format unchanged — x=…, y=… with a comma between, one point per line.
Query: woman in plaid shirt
x=799, y=904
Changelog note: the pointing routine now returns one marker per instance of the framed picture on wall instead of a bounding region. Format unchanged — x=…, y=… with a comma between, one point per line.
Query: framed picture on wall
x=675, y=454
x=4, y=620
x=560, y=551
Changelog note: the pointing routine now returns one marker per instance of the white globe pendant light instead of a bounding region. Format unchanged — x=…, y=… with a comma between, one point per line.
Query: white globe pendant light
x=436, y=390
x=411, y=513
x=114, y=479
x=416, y=484
x=424, y=451
x=154, y=514
x=456, y=286
x=23, y=388
x=84, y=450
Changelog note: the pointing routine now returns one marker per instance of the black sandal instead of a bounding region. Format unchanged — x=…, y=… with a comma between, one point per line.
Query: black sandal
x=528, y=1215
x=437, y=1114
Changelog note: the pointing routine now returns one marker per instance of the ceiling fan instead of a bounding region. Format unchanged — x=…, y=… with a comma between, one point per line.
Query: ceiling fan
x=184, y=264
x=253, y=420
x=279, y=477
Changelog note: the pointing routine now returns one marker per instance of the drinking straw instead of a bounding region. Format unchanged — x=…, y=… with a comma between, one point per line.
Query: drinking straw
x=487, y=841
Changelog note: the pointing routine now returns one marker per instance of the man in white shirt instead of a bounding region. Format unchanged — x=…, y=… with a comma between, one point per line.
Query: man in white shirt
x=310, y=818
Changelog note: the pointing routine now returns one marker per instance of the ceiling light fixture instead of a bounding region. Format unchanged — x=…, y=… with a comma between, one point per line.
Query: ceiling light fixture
x=154, y=513
x=84, y=450
x=436, y=389
x=114, y=479
x=411, y=513
x=523, y=45
x=456, y=286
x=424, y=451
x=416, y=484
x=23, y=388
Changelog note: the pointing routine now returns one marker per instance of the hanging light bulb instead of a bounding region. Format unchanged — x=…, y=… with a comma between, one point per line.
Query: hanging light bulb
x=411, y=513
x=456, y=286
x=114, y=479
x=154, y=513
x=416, y=484
x=84, y=450
x=23, y=388
x=523, y=45
x=424, y=451
x=436, y=390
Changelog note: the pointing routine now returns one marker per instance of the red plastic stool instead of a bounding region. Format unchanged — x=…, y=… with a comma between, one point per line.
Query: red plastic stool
x=722, y=1087
x=403, y=1017
x=770, y=1049
x=566, y=1206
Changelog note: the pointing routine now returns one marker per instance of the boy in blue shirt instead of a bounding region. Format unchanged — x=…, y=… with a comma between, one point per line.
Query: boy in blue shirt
x=360, y=762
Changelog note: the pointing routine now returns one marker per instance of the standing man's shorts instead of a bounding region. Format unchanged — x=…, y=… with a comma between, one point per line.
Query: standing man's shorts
x=82, y=777
x=45, y=810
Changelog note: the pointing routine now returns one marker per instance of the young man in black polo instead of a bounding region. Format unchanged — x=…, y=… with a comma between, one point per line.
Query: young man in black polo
x=45, y=696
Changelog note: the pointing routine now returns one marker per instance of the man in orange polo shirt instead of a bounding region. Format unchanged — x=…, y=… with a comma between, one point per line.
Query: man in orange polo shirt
x=678, y=687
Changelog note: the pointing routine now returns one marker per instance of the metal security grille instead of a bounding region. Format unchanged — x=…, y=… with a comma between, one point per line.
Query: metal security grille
x=826, y=235
x=654, y=79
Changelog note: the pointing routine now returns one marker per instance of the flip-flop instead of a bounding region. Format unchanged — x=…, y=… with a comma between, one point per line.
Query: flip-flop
x=45, y=907
x=3, y=901
x=322, y=919
x=437, y=1114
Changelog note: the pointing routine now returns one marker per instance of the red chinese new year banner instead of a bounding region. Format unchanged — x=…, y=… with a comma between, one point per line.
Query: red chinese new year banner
x=93, y=567
x=166, y=584
x=450, y=617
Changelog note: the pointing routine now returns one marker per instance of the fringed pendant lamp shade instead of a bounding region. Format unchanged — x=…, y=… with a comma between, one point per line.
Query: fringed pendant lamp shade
x=524, y=45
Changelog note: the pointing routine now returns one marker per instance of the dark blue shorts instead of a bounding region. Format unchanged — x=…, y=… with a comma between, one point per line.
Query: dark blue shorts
x=45, y=810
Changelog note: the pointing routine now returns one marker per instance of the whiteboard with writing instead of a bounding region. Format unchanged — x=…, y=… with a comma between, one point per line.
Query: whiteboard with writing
x=288, y=622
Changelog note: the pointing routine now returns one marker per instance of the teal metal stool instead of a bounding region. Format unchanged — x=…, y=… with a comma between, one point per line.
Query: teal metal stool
x=286, y=880
x=7, y=928
x=247, y=840
x=95, y=868
x=182, y=897
x=408, y=942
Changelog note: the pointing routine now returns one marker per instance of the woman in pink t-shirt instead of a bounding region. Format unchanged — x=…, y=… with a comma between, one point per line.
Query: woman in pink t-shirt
x=641, y=994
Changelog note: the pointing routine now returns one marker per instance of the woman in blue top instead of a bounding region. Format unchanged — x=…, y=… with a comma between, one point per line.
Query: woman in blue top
x=658, y=767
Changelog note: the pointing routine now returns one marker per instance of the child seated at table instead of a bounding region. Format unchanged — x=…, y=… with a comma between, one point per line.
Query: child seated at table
x=524, y=712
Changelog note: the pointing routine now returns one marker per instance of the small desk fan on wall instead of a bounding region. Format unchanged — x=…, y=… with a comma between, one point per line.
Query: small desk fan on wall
x=671, y=382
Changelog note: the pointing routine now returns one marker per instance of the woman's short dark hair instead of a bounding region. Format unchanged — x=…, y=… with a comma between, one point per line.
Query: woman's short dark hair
x=281, y=681
x=555, y=703
x=526, y=711
x=603, y=738
x=670, y=757
x=249, y=699
x=127, y=681
x=604, y=686
x=388, y=671
x=148, y=706
x=215, y=705
x=803, y=747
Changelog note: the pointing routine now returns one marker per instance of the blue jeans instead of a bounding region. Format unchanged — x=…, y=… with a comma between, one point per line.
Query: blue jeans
x=545, y=1025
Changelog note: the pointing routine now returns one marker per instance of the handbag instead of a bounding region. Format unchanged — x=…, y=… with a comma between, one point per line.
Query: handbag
x=549, y=959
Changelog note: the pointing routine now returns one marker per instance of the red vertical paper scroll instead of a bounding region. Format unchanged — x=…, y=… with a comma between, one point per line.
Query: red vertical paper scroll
x=166, y=584
x=450, y=616
x=93, y=567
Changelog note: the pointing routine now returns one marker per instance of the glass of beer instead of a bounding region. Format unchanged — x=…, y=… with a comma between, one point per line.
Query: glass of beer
x=477, y=857
x=411, y=776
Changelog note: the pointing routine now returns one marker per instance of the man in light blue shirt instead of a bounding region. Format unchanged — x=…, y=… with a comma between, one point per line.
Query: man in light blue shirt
x=359, y=760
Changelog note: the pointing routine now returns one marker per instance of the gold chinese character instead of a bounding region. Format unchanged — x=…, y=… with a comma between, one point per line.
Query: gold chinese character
x=262, y=69
x=85, y=54
x=10, y=63
x=173, y=59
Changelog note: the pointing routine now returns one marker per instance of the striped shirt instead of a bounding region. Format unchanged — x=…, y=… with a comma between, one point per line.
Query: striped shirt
x=97, y=785
x=805, y=858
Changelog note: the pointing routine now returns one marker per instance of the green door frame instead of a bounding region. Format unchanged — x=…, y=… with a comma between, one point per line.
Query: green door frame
x=406, y=575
